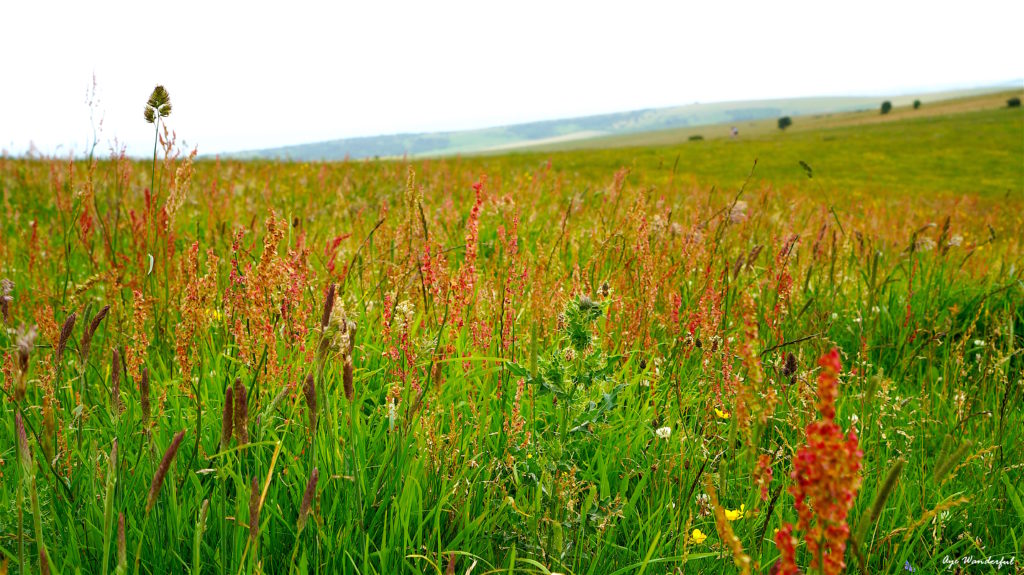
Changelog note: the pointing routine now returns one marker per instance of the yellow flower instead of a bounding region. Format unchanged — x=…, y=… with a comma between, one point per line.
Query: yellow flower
x=721, y=414
x=698, y=536
x=734, y=514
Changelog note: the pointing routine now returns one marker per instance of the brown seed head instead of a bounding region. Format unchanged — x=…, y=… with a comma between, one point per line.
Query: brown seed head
x=328, y=307
x=144, y=396
x=90, y=330
x=307, y=499
x=65, y=335
x=241, y=410
x=161, y=472
x=225, y=429
x=122, y=549
x=24, y=454
x=346, y=378
x=309, y=390
x=254, y=509
x=115, y=381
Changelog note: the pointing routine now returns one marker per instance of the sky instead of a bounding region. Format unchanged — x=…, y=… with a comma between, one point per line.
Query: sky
x=248, y=75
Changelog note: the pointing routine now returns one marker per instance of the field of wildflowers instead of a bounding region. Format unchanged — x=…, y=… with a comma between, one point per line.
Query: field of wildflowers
x=528, y=363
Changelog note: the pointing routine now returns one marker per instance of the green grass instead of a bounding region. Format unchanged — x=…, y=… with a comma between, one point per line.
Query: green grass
x=970, y=153
x=633, y=298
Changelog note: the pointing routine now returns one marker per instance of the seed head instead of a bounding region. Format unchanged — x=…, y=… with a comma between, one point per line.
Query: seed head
x=122, y=548
x=161, y=472
x=307, y=499
x=65, y=335
x=158, y=105
x=241, y=410
x=254, y=509
x=328, y=307
x=23, y=451
x=225, y=430
x=346, y=378
x=86, y=343
x=309, y=391
x=144, y=396
x=115, y=381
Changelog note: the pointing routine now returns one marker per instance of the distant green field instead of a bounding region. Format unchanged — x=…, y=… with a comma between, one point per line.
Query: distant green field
x=967, y=153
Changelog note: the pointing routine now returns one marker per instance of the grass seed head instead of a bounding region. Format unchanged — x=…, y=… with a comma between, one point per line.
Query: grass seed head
x=241, y=412
x=346, y=378
x=254, y=508
x=90, y=330
x=161, y=472
x=309, y=391
x=144, y=397
x=227, y=419
x=158, y=105
x=65, y=335
x=307, y=499
x=115, y=381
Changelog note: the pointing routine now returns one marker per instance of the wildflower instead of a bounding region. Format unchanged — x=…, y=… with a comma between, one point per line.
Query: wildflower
x=703, y=505
x=721, y=414
x=827, y=475
x=664, y=432
x=698, y=536
x=734, y=514
x=956, y=240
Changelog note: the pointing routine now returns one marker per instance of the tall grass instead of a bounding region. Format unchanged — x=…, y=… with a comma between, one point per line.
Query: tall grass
x=404, y=367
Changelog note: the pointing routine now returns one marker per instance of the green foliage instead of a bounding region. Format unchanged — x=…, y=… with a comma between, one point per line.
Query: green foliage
x=886, y=107
x=917, y=104
x=1013, y=102
x=785, y=122
x=451, y=451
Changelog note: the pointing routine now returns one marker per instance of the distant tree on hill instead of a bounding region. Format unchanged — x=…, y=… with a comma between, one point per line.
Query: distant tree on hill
x=1013, y=102
x=886, y=107
x=785, y=122
x=696, y=137
x=917, y=104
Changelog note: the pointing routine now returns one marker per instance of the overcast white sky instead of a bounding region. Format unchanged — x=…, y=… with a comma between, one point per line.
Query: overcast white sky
x=244, y=75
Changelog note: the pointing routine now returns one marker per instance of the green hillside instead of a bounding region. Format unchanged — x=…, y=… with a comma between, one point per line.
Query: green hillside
x=566, y=132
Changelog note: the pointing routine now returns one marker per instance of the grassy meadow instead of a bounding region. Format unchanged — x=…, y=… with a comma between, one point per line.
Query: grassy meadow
x=640, y=359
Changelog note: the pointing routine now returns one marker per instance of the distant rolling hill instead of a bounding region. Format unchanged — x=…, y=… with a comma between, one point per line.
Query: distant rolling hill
x=558, y=133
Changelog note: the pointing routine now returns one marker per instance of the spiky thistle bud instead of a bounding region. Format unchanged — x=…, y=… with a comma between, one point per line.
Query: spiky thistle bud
x=158, y=105
x=254, y=509
x=307, y=499
x=241, y=411
x=309, y=391
x=144, y=396
x=90, y=330
x=225, y=429
x=161, y=472
x=65, y=335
